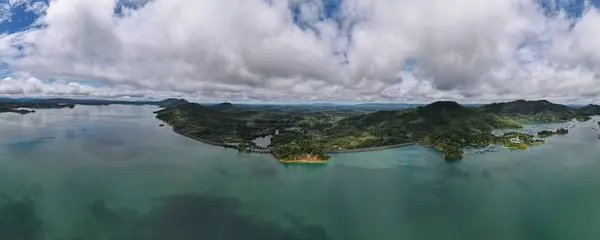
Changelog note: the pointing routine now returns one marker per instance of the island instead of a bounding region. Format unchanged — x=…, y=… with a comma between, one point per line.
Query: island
x=310, y=134
x=15, y=110
x=27, y=107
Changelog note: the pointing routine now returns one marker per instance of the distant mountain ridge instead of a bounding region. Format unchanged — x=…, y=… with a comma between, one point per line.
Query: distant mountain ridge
x=225, y=105
x=170, y=102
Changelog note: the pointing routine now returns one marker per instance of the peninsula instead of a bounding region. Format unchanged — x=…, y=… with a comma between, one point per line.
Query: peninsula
x=309, y=135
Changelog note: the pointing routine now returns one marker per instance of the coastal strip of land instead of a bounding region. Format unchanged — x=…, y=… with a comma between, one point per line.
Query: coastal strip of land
x=200, y=139
x=296, y=161
x=216, y=143
x=371, y=148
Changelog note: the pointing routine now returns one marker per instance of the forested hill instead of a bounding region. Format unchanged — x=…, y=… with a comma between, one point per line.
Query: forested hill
x=415, y=124
x=430, y=117
x=450, y=126
x=589, y=110
x=526, y=107
x=448, y=115
x=540, y=110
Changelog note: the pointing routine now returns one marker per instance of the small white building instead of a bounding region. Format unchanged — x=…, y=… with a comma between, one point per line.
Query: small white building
x=516, y=140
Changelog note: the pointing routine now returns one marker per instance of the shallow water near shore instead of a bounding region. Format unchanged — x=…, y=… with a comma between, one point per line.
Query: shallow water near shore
x=109, y=172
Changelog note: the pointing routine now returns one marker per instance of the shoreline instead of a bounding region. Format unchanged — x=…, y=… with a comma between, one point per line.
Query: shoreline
x=302, y=161
x=370, y=148
x=299, y=161
x=201, y=140
x=357, y=150
x=517, y=148
x=216, y=144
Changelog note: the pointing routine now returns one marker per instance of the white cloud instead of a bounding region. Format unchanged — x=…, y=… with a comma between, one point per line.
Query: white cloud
x=33, y=87
x=465, y=49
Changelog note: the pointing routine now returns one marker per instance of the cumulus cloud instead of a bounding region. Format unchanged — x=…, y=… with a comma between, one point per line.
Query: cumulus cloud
x=293, y=50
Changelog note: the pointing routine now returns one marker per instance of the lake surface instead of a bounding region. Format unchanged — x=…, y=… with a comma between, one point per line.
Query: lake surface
x=111, y=173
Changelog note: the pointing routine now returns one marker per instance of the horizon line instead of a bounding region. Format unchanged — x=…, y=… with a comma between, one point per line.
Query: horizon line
x=323, y=102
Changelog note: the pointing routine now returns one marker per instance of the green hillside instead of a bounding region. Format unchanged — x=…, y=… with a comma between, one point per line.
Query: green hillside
x=538, y=111
x=589, y=110
x=446, y=125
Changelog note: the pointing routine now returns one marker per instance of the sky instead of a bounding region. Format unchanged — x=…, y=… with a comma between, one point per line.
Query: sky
x=302, y=50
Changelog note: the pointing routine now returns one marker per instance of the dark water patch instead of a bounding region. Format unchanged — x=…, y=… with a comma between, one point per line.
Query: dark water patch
x=453, y=161
x=103, y=215
x=122, y=224
x=453, y=172
x=192, y=217
x=293, y=219
x=33, y=190
x=5, y=199
x=74, y=133
x=523, y=185
x=106, y=142
x=315, y=231
x=264, y=171
x=20, y=221
x=415, y=168
x=304, y=166
x=222, y=170
x=486, y=174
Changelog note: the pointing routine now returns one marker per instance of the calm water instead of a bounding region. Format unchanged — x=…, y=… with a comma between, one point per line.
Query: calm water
x=111, y=173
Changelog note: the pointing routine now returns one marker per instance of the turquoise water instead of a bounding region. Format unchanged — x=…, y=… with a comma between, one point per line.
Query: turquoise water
x=111, y=173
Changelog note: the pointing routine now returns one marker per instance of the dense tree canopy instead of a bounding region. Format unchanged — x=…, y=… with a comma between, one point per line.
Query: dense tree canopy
x=448, y=126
